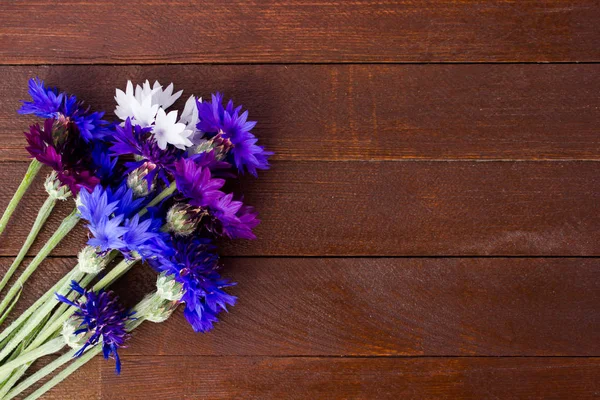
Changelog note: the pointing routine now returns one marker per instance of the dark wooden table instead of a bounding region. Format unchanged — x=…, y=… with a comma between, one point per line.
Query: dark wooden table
x=431, y=223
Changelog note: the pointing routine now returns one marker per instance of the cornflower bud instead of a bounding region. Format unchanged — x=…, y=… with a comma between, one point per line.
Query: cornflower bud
x=137, y=180
x=55, y=188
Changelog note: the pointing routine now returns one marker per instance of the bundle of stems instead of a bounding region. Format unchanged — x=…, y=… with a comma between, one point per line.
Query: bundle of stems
x=36, y=332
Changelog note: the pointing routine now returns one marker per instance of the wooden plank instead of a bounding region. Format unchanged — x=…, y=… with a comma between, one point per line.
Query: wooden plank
x=392, y=209
x=237, y=31
x=380, y=307
x=358, y=112
x=350, y=378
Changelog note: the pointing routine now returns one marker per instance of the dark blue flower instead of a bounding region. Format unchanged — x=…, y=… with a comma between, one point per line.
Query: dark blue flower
x=127, y=204
x=234, y=127
x=194, y=264
x=102, y=318
x=49, y=103
x=45, y=102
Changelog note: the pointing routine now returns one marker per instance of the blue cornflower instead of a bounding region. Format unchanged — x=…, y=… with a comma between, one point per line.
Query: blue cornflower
x=108, y=233
x=46, y=102
x=106, y=166
x=139, y=234
x=194, y=265
x=49, y=103
x=195, y=182
x=115, y=224
x=127, y=204
x=234, y=127
x=102, y=318
x=94, y=206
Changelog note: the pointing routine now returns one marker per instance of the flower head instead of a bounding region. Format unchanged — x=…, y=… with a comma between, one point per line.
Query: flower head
x=194, y=265
x=115, y=224
x=101, y=319
x=146, y=107
x=49, y=103
x=233, y=219
x=167, y=131
x=137, y=141
x=196, y=183
x=59, y=145
x=230, y=124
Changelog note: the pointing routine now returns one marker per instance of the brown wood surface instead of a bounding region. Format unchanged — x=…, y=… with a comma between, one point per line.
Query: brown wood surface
x=392, y=209
x=326, y=378
x=365, y=112
x=380, y=307
x=423, y=137
x=150, y=31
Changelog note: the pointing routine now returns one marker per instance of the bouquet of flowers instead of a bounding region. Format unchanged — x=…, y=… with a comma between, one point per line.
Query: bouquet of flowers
x=150, y=188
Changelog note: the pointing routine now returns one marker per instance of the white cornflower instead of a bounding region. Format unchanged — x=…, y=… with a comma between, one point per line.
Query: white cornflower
x=135, y=105
x=164, y=98
x=189, y=117
x=167, y=130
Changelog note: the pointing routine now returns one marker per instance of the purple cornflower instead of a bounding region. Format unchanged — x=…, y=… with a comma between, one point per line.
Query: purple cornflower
x=227, y=217
x=195, y=182
x=194, y=264
x=102, y=318
x=59, y=145
x=230, y=125
x=232, y=219
x=137, y=141
x=49, y=103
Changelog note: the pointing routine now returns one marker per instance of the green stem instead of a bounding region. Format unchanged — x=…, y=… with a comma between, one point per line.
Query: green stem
x=65, y=227
x=56, y=322
x=55, y=326
x=62, y=375
x=40, y=374
x=11, y=306
x=161, y=196
x=32, y=171
x=51, y=347
x=14, y=378
x=42, y=300
x=41, y=218
x=19, y=372
x=37, y=318
x=118, y=271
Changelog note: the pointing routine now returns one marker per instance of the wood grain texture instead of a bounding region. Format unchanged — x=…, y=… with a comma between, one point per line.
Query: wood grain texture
x=338, y=378
x=391, y=209
x=364, y=112
x=147, y=31
x=379, y=307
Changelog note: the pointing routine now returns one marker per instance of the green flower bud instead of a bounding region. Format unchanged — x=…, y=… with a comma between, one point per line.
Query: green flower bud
x=183, y=219
x=137, y=182
x=160, y=313
x=89, y=262
x=220, y=145
x=55, y=188
x=74, y=341
x=167, y=288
